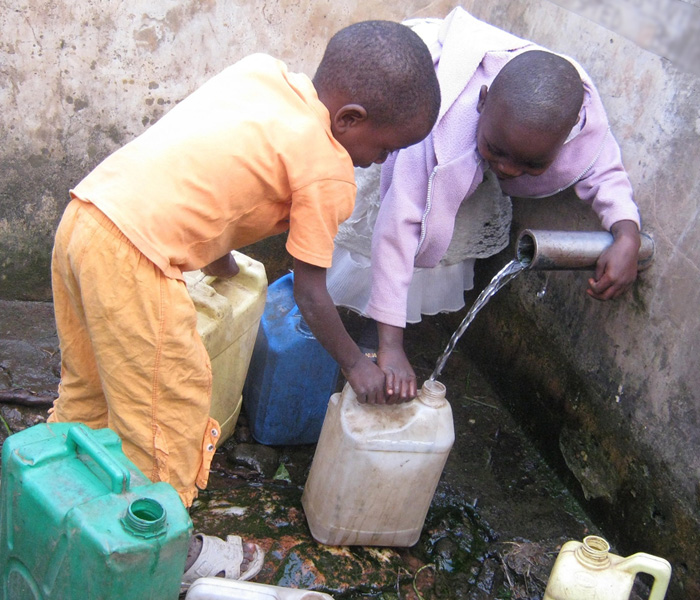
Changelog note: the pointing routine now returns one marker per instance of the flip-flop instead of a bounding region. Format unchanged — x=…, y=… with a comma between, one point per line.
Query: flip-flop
x=218, y=556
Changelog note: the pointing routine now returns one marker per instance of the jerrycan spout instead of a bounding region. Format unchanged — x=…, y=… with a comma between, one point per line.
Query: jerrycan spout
x=433, y=394
x=571, y=250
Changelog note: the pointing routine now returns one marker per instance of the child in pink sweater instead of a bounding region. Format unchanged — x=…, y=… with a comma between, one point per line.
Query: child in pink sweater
x=511, y=109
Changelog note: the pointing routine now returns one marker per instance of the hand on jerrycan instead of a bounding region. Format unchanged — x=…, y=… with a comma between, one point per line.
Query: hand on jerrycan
x=226, y=266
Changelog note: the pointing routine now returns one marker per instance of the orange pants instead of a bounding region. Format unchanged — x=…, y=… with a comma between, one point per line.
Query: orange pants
x=131, y=357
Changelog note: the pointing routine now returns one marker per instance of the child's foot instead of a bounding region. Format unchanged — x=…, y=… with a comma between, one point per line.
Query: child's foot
x=209, y=556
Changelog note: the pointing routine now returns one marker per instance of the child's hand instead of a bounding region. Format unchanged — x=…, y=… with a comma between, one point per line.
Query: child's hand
x=226, y=266
x=321, y=315
x=400, y=378
x=367, y=381
x=616, y=269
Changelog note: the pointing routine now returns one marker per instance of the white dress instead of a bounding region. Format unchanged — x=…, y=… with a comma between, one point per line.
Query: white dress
x=481, y=230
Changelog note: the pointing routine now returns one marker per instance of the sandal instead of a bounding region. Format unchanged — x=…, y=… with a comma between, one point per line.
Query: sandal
x=218, y=556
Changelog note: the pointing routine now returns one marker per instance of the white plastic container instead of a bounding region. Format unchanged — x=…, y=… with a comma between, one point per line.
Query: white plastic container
x=216, y=588
x=376, y=468
x=228, y=316
x=588, y=571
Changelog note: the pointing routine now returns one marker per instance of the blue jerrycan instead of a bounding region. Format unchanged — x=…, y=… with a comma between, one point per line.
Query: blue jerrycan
x=79, y=520
x=291, y=376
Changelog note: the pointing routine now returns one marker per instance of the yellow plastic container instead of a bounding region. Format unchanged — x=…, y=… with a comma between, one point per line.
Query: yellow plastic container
x=228, y=316
x=376, y=468
x=588, y=571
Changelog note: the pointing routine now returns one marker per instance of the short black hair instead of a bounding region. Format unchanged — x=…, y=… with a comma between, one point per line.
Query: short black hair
x=542, y=90
x=386, y=68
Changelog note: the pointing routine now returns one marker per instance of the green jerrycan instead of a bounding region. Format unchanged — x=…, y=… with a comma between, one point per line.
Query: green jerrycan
x=589, y=571
x=79, y=520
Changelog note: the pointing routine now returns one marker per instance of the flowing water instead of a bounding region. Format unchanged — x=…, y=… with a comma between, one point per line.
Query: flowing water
x=506, y=274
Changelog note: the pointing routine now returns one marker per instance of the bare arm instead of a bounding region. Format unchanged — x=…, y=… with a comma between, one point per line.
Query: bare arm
x=321, y=315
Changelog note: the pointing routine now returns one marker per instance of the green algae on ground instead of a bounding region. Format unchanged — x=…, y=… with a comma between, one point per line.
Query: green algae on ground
x=449, y=553
x=453, y=538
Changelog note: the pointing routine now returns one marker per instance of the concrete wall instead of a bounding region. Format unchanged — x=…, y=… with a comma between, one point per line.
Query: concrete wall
x=614, y=386
x=80, y=79
x=613, y=389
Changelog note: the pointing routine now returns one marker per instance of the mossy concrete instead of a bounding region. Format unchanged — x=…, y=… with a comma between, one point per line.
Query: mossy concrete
x=585, y=423
x=494, y=528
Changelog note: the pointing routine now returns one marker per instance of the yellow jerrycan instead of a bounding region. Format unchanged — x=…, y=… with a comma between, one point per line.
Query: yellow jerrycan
x=589, y=571
x=228, y=316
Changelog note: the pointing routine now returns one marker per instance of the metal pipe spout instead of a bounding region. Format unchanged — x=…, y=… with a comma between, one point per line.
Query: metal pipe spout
x=571, y=250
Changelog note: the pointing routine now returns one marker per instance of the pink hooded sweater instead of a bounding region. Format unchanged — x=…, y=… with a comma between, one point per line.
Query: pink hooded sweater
x=423, y=186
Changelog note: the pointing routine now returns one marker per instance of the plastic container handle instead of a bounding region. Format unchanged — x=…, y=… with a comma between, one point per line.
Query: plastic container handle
x=658, y=568
x=79, y=437
x=302, y=326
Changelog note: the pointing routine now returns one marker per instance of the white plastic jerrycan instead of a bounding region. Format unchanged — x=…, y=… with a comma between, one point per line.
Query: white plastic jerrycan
x=216, y=588
x=376, y=468
x=588, y=571
x=228, y=316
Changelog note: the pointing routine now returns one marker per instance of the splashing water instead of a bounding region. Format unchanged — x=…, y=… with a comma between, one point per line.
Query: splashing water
x=506, y=274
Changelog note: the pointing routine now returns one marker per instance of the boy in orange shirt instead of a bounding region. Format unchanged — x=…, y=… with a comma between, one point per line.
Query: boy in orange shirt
x=255, y=151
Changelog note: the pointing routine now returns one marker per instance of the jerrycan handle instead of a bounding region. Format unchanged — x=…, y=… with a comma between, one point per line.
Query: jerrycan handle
x=302, y=326
x=659, y=568
x=79, y=438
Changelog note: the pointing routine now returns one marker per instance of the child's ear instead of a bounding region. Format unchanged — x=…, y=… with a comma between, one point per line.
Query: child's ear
x=482, y=98
x=349, y=116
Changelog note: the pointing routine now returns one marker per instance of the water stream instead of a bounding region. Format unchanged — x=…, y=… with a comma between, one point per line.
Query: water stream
x=505, y=275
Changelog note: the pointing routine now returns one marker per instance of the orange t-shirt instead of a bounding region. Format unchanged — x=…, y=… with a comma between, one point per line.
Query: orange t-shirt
x=248, y=155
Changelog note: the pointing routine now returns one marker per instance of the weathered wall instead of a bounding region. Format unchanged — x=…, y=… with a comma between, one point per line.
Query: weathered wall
x=80, y=79
x=618, y=379
x=613, y=388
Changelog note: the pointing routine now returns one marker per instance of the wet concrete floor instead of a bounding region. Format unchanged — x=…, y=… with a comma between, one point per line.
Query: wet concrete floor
x=493, y=531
